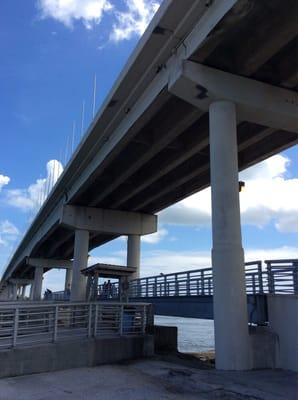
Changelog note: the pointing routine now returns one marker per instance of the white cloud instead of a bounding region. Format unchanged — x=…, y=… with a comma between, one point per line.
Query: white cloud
x=8, y=228
x=134, y=20
x=269, y=196
x=165, y=261
x=131, y=17
x=152, y=238
x=8, y=233
x=4, y=180
x=156, y=237
x=31, y=198
x=90, y=12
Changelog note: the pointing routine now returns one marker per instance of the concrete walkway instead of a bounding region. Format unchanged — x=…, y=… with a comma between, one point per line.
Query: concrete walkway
x=151, y=380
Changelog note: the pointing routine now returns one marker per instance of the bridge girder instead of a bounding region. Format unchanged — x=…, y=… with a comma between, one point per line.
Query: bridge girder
x=108, y=221
x=256, y=102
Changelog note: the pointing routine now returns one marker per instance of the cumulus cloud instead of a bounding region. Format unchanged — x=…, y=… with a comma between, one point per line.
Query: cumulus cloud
x=269, y=197
x=134, y=20
x=131, y=17
x=165, y=261
x=31, y=198
x=156, y=237
x=153, y=238
x=8, y=233
x=90, y=12
x=4, y=180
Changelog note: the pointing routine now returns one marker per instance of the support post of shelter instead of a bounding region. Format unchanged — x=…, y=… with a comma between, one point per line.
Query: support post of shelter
x=81, y=246
x=230, y=304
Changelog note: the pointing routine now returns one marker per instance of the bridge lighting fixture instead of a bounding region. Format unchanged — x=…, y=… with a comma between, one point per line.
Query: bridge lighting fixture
x=241, y=186
x=159, y=30
x=112, y=103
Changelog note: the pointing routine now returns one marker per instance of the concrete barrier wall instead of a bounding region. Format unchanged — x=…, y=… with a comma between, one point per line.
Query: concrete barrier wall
x=283, y=320
x=73, y=354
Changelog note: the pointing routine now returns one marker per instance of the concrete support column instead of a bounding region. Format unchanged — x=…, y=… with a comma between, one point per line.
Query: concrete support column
x=134, y=254
x=37, y=285
x=230, y=304
x=80, y=261
x=31, y=291
x=23, y=291
x=14, y=291
x=68, y=279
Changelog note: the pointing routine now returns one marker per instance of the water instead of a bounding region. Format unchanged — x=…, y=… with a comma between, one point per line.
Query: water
x=194, y=335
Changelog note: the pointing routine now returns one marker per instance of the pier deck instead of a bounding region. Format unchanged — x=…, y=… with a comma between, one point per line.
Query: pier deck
x=151, y=379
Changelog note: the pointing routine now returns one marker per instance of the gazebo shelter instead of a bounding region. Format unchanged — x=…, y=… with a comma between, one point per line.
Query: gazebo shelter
x=109, y=290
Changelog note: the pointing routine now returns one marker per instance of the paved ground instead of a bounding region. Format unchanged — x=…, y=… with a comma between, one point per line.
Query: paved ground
x=151, y=380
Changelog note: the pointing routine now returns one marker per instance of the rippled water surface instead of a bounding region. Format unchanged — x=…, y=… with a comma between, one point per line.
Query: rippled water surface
x=194, y=335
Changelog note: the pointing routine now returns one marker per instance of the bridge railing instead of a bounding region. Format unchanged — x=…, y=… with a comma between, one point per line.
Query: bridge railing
x=277, y=276
x=282, y=276
x=23, y=325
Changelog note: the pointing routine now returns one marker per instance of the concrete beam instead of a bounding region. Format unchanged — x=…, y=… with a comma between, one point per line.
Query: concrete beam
x=48, y=263
x=256, y=102
x=158, y=142
x=167, y=165
x=108, y=221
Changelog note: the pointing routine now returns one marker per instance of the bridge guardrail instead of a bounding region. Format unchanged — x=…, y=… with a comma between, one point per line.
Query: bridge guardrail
x=23, y=325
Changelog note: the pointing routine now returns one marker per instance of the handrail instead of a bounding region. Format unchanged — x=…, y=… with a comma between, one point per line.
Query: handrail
x=22, y=325
x=272, y=278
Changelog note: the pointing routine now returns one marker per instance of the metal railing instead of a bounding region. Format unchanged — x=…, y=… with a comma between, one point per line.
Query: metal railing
x=276, y=276
x=23, y=325
x=282, y=276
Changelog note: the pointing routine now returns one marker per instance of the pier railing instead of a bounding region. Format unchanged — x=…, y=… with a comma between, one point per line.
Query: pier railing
x=272, y=276
x=23, y=325
x=275, y=276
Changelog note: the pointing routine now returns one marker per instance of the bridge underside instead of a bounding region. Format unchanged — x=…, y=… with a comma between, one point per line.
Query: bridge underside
x=165, y=154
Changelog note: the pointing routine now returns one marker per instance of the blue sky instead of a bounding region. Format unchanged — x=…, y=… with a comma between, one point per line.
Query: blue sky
x=50, y=52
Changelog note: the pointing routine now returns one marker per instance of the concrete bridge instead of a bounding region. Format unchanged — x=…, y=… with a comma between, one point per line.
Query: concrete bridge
x=191, y=108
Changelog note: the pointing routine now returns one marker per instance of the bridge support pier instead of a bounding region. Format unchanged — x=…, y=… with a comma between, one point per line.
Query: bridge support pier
x=68, y=278
x=23, y=291
x=37, y=285
x=14, y=291
x=230, y=304
x=80, y=261
x=134, y=254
